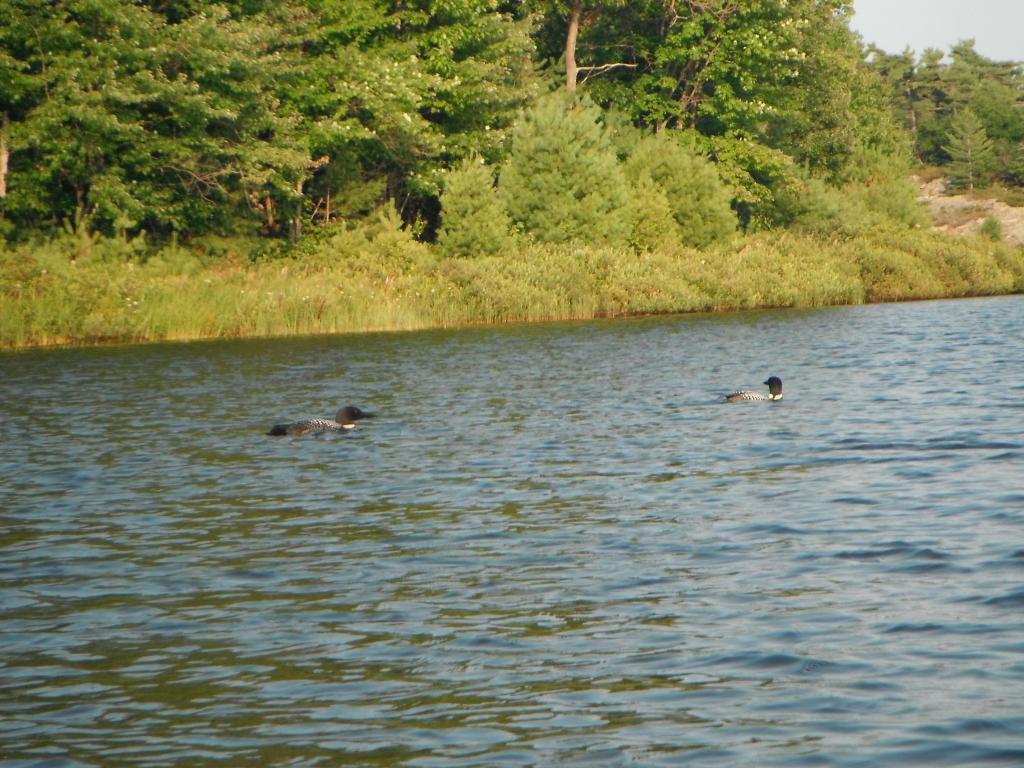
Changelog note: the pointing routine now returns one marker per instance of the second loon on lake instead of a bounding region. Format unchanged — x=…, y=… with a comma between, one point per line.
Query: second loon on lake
x=774, y=392
x=344, y=420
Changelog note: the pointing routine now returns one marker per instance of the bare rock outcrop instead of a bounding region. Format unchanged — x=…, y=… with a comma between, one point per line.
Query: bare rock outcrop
x=964, y=214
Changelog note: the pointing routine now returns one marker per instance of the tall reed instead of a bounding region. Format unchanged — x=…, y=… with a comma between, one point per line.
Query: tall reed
x=379, y=278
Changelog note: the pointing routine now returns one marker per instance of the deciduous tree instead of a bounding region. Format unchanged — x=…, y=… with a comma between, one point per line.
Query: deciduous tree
x=120, y=121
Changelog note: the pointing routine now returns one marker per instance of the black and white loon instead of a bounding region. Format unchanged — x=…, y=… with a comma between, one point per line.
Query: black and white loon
x=344, y=420
x=774, y=392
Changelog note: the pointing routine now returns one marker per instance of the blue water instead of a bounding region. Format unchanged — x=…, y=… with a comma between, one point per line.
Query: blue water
x=556, y=545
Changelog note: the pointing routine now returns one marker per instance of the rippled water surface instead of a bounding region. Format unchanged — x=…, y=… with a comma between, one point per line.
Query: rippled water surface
x=555, y=546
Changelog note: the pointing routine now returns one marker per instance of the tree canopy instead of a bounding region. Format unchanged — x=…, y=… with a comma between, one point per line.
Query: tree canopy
x=187, y=117
x=931, y=94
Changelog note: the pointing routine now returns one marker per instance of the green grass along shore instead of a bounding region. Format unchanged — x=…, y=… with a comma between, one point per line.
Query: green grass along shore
x=87, y=290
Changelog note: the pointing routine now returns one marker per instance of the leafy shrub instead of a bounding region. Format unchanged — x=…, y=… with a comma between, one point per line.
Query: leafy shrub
x=775, y=269
x=381, y=247
x=991, y=228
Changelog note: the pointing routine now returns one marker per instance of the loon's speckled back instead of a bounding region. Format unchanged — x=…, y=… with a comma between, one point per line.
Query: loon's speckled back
x=343, y=421
x=774, y=392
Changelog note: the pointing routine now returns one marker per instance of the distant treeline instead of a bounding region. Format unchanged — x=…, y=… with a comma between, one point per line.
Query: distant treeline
x=965, y=115
x=488, y=124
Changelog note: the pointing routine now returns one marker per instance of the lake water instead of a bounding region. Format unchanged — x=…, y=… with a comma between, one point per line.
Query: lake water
x=555, y=546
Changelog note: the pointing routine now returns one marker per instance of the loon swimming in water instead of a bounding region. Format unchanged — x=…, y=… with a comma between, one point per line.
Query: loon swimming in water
x=774, y=392
x=343, y=421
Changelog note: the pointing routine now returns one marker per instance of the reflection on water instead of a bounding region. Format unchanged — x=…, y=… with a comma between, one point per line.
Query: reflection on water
x=556, y=545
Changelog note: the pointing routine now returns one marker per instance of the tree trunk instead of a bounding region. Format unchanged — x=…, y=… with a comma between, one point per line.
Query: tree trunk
x=913, y=120
x=270, y=214
x=571, y=70
x=4, y=154
x=296, y=228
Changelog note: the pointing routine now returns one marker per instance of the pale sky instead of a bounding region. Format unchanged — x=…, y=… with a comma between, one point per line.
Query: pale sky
x=997, y=26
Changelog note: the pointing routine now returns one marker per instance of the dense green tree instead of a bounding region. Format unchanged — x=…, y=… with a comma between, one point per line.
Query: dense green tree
x=932, y=105
x=783, y=76
x=473, y=219
x=1000, y=108
x=185, y=115
x=816, y=121
x=562, y=179
x=652, y=225
x=929, y=93
x=698, y=201
x=897, y=73
x=994, y=92
x=760, y=178
x=191, y=116
x=395, y=93
x=728, y=68
x=573, y=18
x=971, y=151
x=119, y=121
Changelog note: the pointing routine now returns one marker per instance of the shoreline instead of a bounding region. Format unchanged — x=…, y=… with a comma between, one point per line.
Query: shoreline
x=53, y=296
x=128, y=342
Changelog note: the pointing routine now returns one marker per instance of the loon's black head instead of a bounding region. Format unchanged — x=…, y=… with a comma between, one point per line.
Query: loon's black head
x=774, y=385
x=350, y=414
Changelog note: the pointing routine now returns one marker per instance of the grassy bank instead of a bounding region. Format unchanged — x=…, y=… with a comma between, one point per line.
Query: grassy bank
x=377, y=277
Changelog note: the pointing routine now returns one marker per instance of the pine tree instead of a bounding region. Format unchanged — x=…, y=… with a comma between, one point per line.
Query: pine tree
x=650, y=215
x=562, y=180
x=971, y=151
x=699, y=201
x=473, y=218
